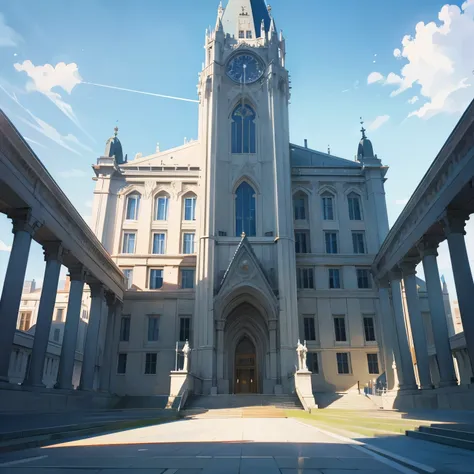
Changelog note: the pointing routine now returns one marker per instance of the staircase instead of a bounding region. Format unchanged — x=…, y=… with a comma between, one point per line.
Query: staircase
x=459, y=436
x=212, y=402
x=344, y=401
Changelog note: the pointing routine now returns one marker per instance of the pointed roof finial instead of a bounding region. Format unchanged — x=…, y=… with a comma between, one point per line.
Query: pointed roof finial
x=243, y=235
x=329, y=149
x=269, y=8
x=362, y=129
x=116, y=130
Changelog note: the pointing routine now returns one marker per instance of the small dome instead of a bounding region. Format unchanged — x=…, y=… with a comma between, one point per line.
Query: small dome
x=113, y=148
x=365, y=150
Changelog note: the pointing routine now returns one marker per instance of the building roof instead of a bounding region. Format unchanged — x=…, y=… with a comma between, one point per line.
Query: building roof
x=257, y=8
x=306, y=157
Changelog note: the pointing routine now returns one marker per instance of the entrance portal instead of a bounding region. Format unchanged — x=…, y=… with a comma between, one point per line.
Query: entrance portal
x=245, y=367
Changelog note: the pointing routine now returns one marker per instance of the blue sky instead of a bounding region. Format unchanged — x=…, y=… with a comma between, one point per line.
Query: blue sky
x=333, y=54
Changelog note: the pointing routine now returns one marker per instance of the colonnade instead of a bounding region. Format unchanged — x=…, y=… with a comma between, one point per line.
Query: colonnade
x=425, y=251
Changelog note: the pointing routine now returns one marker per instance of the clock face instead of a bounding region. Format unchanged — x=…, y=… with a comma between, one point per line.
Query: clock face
x=245, y=68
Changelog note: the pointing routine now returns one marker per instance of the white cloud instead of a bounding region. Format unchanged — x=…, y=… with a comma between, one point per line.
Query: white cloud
x=413, y=99
x=374, y=77
x=73, y=139
x=440, y=59
x=72, y=173
x=4, y=247
x=401, y=202
x=8, y=36
x=30, y=140
x=378, y=122
x=397, y=53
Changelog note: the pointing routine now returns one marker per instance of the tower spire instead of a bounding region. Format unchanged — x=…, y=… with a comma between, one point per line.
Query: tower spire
x=363, y=130
x=246, y=15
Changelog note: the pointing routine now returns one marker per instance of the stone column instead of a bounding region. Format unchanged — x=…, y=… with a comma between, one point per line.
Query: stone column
x=272, y=326
x=389, y=336
x=454, y=223
x=416, y=323
x=24, y=227
x=220, y=349
x=438, y=316
x=92, y=336
x=53, y=253
x=73, y=317
x=406, y=373
x=113, y=316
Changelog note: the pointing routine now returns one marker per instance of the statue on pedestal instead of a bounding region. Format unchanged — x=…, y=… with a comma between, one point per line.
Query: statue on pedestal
x=302, y=351
x=186, y=352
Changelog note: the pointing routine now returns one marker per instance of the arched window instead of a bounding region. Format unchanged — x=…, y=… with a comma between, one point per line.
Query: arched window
x=133, y=204
x=189, y=210
x=161, y=207
x=243, y=130
x=355, y=213
x=327, y=203
x=299, y=206
x=245, y=210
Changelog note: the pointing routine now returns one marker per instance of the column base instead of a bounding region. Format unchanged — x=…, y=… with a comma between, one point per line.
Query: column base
x=408, y=387
x=213, y=390
x=448, y=383
x=27, y=384
x=4, y=379
x=426, y=387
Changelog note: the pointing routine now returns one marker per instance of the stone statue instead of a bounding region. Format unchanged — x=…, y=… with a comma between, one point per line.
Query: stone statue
x=302, y=351
x=186, y=352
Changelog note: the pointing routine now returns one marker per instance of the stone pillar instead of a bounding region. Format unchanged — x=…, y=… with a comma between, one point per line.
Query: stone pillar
x=73, y=317
x=389, y=336
x=92, y=336
x=53, y=256
x=454, y=223
x=438, y=315
x=406, y=373
x=272, y=326
x=24, y=227
x=416, y=323
x=220, y=349
x=113, y=317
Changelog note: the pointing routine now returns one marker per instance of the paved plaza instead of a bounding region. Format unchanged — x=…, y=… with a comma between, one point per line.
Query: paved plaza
x=204, y=446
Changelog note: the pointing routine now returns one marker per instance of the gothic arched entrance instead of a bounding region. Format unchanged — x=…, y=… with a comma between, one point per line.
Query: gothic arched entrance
x=246, y=371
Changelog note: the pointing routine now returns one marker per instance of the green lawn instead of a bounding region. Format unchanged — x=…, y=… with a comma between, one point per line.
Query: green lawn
x=367, y=424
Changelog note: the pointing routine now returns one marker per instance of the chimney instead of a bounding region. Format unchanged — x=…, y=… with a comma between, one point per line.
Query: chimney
x=306, y=143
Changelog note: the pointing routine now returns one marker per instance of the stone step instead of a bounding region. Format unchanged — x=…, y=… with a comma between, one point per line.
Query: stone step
x=449, y=432
x=447, y=440
x=247, y=412
x=287, y=402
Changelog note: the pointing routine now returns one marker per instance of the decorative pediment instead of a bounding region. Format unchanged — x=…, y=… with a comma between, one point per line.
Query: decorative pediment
x=245, y=270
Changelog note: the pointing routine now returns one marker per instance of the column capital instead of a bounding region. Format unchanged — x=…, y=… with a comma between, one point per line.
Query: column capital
x=77, y=272
x=428, y=245
x=53, y=251
x=110, y=298
x=454, y=222
x=24, y=221
x=384, y=282
x=408, y=266
x=273, y=324
x=97, y=287
x=220, y=324
x=395, y=274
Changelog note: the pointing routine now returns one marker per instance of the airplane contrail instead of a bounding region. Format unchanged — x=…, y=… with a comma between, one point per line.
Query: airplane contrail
x=140, y=92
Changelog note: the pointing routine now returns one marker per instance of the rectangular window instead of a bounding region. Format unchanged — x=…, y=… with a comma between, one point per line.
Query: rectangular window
x=354, y=208
x=125, y=329
x=56, y=334
x=299, y=208
x=184, y=329
x=128, y=242
x=187, y=278
x=59, y=314
x=159, y=244
x=373, y=363
x=309, y=329
x=132, y=207
x=301, y=242
x=150, y=363
x=156, y=279
x=334, y=278
x=363, y=278
x=369, y=329
x=343, y=363
x=153, y=328
x=305, y=278
x=122, y=364
x=25, y=320
x=162, y=208
x=313, y=362
x=128, y=274
x=358, y=242
x=340, y=329
x=188, y=243
x=328, y=208
x=249, y=34
x=241, y=34
x=331, y=242
x=190, y=209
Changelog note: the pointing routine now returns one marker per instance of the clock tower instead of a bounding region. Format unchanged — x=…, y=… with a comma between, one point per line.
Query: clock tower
x=246, y=297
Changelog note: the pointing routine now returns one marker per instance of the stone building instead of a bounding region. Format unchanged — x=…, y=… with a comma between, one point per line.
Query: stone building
x=241, y=241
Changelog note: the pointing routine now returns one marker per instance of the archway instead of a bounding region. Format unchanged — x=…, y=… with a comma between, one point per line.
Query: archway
x=246, y=371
